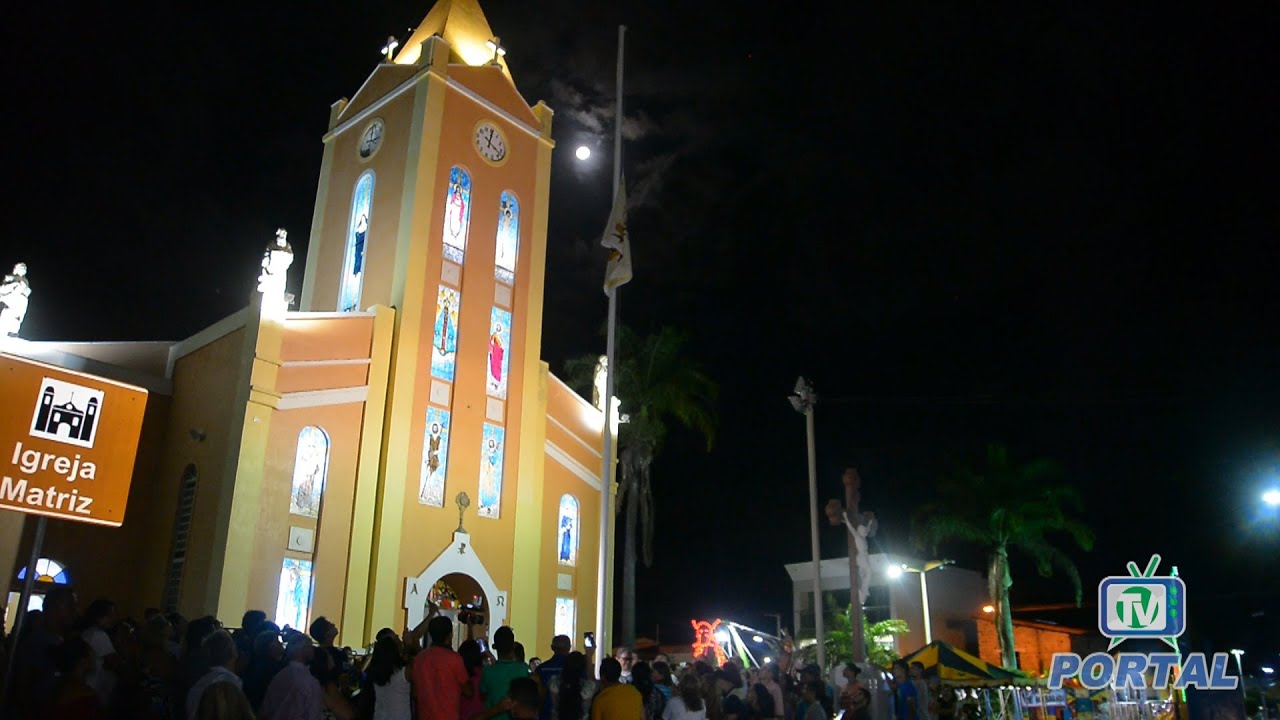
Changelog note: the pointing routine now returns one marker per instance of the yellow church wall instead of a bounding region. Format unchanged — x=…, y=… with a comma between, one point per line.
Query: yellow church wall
x=331, y=336
x=203, y=400
x=388, y=165
x=342, y=424
x=583, y=580
x=426, y=530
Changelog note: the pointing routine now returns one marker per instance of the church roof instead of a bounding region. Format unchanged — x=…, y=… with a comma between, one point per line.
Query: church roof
x=462, y=24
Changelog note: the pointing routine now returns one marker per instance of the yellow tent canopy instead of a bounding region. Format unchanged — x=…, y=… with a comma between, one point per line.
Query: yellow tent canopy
x=957, y=667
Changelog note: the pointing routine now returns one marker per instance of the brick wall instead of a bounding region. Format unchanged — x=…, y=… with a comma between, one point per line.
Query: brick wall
x=1035, y=646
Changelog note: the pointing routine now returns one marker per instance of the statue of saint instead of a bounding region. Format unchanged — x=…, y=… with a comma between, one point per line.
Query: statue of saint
x=865, y=528
x=598, y=384
x=276, y=260
x=15, y=294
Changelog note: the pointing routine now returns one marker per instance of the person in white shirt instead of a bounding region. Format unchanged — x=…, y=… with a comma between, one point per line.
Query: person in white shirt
x=626, y=657
x=97, y=619
x=220, y=649
x=686, y=703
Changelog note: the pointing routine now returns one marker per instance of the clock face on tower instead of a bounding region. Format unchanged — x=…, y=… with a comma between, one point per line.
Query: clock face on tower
x=490, y=142
x=371, y=138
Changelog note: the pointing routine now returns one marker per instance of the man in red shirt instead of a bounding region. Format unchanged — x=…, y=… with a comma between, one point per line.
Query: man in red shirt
x=439, y=677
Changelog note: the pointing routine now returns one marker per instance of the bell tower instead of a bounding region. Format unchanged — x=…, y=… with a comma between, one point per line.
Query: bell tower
x=432, y=200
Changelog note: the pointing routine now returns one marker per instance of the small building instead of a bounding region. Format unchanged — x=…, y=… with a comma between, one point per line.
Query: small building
x=958, y=598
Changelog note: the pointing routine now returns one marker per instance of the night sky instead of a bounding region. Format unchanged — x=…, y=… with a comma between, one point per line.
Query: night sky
x=1050, y=227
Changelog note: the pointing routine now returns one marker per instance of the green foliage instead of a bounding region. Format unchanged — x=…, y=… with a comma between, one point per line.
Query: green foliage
x=1002, y=506
x=840, y=637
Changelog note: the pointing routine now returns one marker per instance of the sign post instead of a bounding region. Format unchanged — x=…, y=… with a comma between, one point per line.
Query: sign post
x=69, y=440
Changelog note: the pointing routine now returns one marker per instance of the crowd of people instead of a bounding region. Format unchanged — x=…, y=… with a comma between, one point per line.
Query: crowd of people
x=92, y=665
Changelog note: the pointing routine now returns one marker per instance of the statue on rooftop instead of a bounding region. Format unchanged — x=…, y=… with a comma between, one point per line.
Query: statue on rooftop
x=276, y=260
x=15, y=294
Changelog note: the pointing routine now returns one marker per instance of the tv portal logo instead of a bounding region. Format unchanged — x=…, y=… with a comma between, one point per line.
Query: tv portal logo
x=1142, y=605
x=1130, y=607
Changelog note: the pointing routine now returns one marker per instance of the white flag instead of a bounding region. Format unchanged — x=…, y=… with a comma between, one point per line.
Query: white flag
x=618, y=240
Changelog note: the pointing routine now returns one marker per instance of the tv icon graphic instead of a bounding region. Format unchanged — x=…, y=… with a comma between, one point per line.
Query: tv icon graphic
x=1142, y=607
x=67, y=413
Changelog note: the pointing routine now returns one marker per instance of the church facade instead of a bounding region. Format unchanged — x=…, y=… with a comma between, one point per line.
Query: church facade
x=396, y=441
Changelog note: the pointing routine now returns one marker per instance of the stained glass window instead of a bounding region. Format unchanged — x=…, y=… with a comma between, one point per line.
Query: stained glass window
x=508, y=238
x=435, y=456
x=310, y=468
x=357, y=244
x=566, y=612
x=491, y=471
x=48, y=571
x=444, y=346
x=499, y=352
x=567, y=545
x=457, y=214
x=293, y=604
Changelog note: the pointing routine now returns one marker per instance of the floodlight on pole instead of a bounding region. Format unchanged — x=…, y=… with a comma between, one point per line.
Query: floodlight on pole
x=1272, y=497
x=1238, y=653
x=803, y=400
x=896, y=571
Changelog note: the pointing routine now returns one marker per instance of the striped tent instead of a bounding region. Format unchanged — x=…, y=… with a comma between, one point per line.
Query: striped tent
x=956, y=667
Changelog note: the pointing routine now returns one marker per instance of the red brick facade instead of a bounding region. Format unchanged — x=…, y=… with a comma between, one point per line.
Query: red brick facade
x=1035, y=646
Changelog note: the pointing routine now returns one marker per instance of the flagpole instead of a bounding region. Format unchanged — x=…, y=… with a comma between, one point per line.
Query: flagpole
x=605, y=580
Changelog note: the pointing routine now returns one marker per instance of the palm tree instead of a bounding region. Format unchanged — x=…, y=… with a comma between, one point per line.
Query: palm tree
x=656, y=383
x=1003, y=506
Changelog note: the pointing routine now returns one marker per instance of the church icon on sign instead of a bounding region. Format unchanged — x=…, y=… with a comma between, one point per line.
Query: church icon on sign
x=67, y=413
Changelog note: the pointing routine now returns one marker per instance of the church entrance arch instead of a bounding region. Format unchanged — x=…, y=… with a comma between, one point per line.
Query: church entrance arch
x=455, y=580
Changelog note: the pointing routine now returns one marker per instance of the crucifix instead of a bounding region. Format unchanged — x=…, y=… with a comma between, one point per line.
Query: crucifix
x=861, y=525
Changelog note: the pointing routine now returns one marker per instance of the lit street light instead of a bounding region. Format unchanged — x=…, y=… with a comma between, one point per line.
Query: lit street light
x=1272, y=497
x=583, y=152
x=895, y=571
x=1240, y=670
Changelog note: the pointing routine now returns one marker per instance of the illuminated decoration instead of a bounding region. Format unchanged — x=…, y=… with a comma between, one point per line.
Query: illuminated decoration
x=499, y=352
x=491, y=471
x=48, y=571
x=444, y=348
x=457, y=214
x=310, y=468
x=567, y=547
x=293, y=603
x=15, y=295
x=705, y=644
x=443, y=596
x=357, y=244
x=566, y=611
x=435, y=456
x=504, y=268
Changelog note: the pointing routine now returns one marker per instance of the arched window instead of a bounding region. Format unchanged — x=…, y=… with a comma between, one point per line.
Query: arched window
x=310, y=468
x=48, y=571
x=504, y=268
x=567, y=543
x=357, y=244
x=457, y=214
x=181, y=534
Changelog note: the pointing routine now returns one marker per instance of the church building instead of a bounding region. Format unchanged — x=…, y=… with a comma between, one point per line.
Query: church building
x=396, y=440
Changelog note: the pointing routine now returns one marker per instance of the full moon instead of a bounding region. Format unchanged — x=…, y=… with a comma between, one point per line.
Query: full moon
x=583, y=152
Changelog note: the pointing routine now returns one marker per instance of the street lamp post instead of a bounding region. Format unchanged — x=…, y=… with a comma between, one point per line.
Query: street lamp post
x=1244, y=696
x=803, y=400
x=897, y=571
